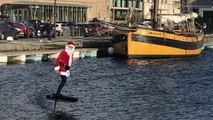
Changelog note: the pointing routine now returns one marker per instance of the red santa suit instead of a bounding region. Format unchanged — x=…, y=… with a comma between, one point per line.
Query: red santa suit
x=64, y=60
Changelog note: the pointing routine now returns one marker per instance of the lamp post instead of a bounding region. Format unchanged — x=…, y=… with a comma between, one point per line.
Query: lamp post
x=54, y=18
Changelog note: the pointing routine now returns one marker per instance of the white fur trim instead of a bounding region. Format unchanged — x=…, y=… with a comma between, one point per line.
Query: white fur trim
x=72, y=46
x=69, y=47
x=57, y=68
x=67, y=73
x=63, y=73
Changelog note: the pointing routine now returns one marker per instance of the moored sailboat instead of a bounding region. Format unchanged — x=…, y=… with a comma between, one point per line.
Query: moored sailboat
x=151, y=40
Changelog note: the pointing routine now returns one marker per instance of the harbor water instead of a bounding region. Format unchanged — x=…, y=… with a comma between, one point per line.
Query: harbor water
x=111, y=89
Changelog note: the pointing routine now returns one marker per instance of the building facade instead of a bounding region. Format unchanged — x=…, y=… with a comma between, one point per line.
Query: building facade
x=120, y=9
x=166, y=7
x=83, y=11
x=205, y=10
x=143, y=8
x=65, y=10
x=70, y=10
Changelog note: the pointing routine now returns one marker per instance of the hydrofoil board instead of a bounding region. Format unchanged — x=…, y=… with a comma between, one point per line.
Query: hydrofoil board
x=61, y=98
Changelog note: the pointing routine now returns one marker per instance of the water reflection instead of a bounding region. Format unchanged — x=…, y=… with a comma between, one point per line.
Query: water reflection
x=159, y=61
x=59, y=115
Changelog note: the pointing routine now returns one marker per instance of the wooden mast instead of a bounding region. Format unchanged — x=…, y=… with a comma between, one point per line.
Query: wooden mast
x=185, y=6
x=155, y=14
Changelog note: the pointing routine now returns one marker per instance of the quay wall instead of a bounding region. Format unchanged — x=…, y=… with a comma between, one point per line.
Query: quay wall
x=95, y=46
x=19, y=50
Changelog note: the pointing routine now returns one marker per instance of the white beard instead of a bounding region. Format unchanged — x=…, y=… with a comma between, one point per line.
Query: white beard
x=70, y=51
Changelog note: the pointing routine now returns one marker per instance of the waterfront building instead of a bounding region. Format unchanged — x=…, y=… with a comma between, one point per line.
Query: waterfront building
x=85, y=10
x=70, y=10
x=143, y=8
x=82, y=11
x=119, y=9
x=205, y=10
x=166, y=7
x=66, y=10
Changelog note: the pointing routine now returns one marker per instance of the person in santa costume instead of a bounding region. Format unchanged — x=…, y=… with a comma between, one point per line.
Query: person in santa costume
x=63, y=64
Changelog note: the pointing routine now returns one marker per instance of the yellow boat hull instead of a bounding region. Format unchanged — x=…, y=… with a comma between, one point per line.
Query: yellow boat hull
x=145, y=43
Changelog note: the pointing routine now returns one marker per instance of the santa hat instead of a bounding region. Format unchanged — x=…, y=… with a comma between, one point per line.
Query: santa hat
x=70, y=45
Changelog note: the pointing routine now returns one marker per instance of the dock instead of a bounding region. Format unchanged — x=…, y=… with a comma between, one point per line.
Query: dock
x=208, y=42
x=32, y=49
